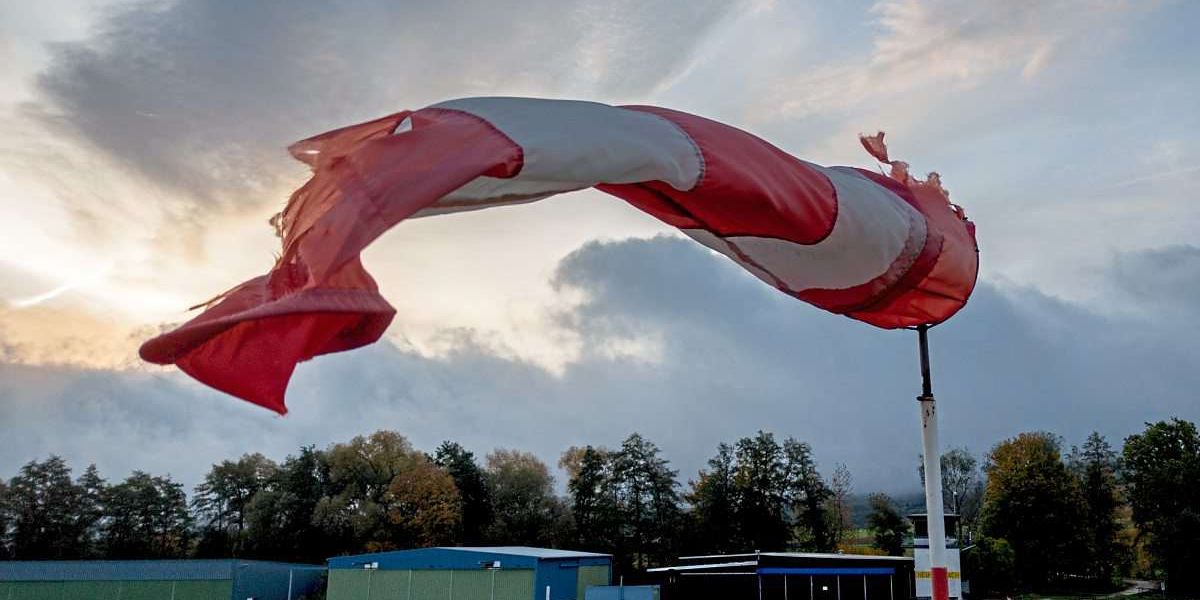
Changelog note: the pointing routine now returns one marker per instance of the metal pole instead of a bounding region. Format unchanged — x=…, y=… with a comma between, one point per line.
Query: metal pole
x=291, y=574
x=839, y=587
x=810, y=587
x=933, y=475
x=785, y=594
x=492, y=595
x=864, y=587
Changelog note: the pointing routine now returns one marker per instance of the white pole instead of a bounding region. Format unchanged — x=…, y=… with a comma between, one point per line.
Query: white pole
x=291, y=573
x=931, y=456
x=547, y=592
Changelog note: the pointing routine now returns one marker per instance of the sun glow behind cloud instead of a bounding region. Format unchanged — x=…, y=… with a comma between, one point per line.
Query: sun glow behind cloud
x=138, y=172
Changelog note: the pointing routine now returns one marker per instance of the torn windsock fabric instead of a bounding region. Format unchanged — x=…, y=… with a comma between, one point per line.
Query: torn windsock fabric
x=889, y=250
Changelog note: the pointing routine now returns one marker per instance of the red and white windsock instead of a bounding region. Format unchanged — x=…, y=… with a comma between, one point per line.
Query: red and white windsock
x=889, y=250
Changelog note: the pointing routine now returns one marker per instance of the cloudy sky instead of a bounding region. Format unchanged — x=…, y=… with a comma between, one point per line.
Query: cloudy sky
x=141, y=153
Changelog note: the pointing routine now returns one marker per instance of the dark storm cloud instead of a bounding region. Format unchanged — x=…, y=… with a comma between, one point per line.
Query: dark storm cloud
x=203, y=95
x=1161, y=278
x=731, y=356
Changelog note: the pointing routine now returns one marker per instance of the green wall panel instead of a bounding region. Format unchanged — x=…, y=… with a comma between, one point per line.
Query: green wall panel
x=472, y=585
x=347, y=584
x=115, y=590
x=431, y=585
x=389, y=585
x=203, y=590
x=97, y=590
x=514, y=585
x=146, y=590
x=589, y=576
x=37, y=590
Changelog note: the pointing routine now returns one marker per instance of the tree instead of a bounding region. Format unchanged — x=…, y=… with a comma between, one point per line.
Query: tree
x=471, y=482
x=146, y=517
x=1095, y=467
x=91, y=509
x=837, y=508
x=354, y=511
x=991, y=565
x=714, y=498
x=424, y=505
x=887, y=525
x=280, y=519
x=1161, y=470
x=526, y=510
x=223, y=498
x=5, y=551
x=761, y=483
x=1032, y=501
x=806, y=495
x=648, y=500
x=594, y=503
x=48, y=513
x=962, y=490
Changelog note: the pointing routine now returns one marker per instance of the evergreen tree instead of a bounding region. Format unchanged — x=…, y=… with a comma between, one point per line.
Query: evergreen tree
x=48, y=512
x=648, y=499
x=1095, y=466
x=471, y=482
x=594, y=503
x=714, y=500
x=146, y=517
x=91, y=510
x=761, y=483
x=887, y=526
x=807, y=495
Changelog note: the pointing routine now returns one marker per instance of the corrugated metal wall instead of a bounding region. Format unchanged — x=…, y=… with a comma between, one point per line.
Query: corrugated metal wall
x=115, y=590
x=589, y=576
x=361, y=584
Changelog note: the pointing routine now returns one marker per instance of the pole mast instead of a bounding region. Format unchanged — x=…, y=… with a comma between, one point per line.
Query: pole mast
x=933, y=475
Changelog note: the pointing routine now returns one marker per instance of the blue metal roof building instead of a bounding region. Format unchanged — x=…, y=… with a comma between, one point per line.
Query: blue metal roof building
x=484, y=573
x=228, y=579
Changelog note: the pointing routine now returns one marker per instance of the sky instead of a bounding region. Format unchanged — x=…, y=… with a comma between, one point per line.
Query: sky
x=142, y=153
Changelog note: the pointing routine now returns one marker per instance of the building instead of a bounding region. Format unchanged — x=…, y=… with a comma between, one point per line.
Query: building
x=786, y=576
x=495, y=573
x=924, y=585
x=157, y=580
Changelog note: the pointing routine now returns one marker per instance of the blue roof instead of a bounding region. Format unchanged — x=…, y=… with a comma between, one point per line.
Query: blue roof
x=528, y=551
x=510, y=557
x=127, y=570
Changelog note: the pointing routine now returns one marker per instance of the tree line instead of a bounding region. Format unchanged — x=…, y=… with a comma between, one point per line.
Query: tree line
x=1033, y=515
x=1039, y=517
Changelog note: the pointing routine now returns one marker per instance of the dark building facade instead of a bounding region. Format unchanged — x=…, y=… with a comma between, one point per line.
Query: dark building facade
x=786, y=576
